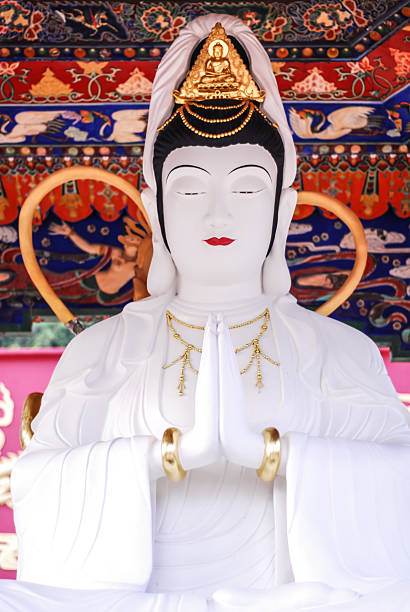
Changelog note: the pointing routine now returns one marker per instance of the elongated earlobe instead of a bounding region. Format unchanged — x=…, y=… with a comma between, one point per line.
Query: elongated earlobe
x=162, y=271
x=275, y=273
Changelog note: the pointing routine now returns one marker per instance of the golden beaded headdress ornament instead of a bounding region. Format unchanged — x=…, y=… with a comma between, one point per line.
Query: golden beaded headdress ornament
x=217, y=74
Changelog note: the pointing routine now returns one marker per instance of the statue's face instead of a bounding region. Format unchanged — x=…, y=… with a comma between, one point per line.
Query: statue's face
x=218, y=51
x=218, y=211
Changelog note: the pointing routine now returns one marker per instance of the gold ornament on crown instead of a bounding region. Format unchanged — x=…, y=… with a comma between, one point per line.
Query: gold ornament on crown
x=218, y=72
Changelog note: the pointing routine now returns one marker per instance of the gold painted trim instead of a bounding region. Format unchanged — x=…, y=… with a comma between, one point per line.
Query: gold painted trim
x=170, y=456
x=26, y=219
x=345, y=214
x=271, y=455
x=31, y=409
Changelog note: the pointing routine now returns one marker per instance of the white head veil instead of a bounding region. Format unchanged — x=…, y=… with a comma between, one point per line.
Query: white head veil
x=171, y=71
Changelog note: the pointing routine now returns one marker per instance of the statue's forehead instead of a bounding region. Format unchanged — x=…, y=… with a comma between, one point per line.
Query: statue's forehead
x=220, y=159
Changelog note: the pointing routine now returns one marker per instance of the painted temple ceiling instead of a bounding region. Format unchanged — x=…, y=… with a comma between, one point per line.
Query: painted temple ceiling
x=75, y=85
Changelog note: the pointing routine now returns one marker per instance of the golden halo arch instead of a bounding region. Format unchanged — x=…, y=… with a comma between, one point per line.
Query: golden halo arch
x=26, y=219
x=353, y=222
x=98, y=174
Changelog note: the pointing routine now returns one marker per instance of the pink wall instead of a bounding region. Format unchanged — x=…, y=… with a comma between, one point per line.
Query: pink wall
x=399, y=372
x=23, y=371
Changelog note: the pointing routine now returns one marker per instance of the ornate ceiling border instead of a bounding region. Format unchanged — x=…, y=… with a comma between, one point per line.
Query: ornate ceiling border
x=302, y=30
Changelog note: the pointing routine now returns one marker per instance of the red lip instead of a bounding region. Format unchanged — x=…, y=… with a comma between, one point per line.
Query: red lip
x=219, y=241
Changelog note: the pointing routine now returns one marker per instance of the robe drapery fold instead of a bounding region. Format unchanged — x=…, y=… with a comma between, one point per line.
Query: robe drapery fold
x=84, y=509
x=90, y=515
x=339, y=506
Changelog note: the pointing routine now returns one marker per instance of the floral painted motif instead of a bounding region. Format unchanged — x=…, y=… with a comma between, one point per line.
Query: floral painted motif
x=92, y=67
x=6, y=411
x=160, y=21
x=50, y=85
x=332, y=19
x=15, y=18
x=126, y=22
x=314, y=82
x=251, y=19
x=137, y=83
x=12, y=16
x=362, y=67
x=9, y=78
x=402, y=61
x=8, y=69
x=274, y=29
x=367, y=75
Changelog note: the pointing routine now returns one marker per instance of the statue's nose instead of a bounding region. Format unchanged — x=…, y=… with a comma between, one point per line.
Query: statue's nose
x=218, y=214
x=219, y=218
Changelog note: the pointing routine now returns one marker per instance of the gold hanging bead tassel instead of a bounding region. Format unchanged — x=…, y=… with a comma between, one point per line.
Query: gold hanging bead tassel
x=257, y=351
x=185, y=357
x=181, y=382
x=259, y=382
x=185, y=361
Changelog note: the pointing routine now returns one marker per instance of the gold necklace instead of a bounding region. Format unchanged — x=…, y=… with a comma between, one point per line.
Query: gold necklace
x=185, y=121
x=185, y=357
x=224, y=120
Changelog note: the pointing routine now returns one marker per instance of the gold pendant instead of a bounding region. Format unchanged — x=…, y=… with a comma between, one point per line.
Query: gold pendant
x=185, y=357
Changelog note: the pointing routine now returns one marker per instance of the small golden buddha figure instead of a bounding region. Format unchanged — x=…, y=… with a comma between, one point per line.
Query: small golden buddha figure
x=218, y=68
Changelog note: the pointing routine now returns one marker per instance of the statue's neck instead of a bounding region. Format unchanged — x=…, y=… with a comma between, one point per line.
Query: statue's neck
x=220, y=297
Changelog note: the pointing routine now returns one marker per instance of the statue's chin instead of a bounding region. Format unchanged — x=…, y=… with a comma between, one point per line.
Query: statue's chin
x=221, y=277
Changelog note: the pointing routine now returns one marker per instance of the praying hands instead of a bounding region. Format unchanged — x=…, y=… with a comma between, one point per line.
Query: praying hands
x=221, y=428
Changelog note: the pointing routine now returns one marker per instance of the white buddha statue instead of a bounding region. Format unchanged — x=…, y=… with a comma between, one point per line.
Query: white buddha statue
x=114, y=510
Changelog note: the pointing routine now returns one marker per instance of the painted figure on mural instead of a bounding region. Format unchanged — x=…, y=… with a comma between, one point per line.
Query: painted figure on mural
x=91, y=21
x=128, y=263
x=58, y=126
x=156, y=478
x=106, y=282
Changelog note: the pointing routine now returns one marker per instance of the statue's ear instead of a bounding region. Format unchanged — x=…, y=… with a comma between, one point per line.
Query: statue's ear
x=162, y=271
x=150, y=204
x=275, y=274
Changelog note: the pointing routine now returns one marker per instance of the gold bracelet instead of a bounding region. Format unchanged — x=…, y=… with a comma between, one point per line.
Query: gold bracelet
x=271, y=456
x=170, y=456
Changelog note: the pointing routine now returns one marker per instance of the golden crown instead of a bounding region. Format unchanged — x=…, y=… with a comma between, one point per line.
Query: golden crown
x=218, y=73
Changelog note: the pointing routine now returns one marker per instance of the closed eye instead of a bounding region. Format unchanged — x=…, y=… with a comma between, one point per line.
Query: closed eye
x=250, y=191
x=190, y=193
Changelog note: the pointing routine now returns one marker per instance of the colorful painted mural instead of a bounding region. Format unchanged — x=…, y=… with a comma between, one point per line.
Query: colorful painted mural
x=48, y=25
x=75, y=85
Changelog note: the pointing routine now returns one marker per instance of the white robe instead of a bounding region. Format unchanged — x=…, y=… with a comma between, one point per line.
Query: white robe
x=85, y=507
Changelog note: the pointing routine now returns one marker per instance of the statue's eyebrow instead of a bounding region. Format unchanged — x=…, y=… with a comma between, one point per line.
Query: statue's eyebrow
x=251, y=166
x=186, y=166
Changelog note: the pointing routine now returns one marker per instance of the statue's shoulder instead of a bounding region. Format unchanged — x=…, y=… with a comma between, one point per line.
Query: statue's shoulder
x=311, y=329
x=339, y=362
x=334, y=333
x=125, y=336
